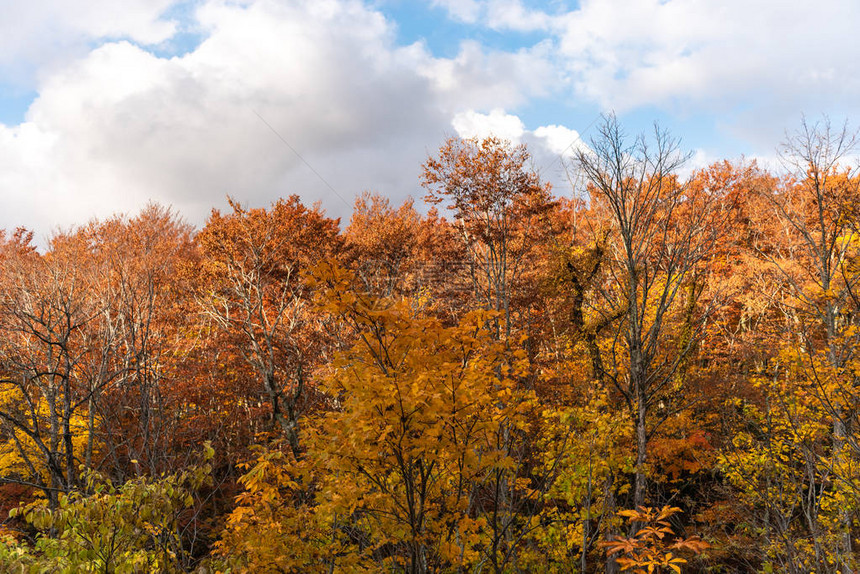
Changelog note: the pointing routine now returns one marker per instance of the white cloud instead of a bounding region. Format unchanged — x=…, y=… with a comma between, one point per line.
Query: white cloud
x=692, y=53
x=40, y=34
x=752, y=67
x=471, y=124
x=116, y=125
x=496, y=14
x=463, y=10
x=560, y=140
x=492, y=79
x=120, y=125
x=512, y=15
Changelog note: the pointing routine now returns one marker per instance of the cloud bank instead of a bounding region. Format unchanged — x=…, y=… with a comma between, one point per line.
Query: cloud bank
x=275, y=86
x=121, y=125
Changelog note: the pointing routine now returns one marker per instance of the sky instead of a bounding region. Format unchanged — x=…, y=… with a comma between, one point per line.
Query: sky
x=106, y=105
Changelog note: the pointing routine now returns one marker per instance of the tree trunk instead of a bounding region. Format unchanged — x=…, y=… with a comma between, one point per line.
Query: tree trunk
x=641, y=450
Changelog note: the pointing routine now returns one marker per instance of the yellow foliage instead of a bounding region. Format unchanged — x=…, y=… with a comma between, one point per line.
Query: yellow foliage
x=18, y=450
x=273, y=528
x=424, y=412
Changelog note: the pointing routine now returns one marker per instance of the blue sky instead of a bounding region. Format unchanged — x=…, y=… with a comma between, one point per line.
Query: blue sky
x=106, y=105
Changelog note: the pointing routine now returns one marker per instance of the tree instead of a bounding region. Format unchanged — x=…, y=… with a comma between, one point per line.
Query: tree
x=253, y=290
x=139, y=261
x=498, y=206
x=659, y=231
x=819, y=209
x=53, y=359
x=584, y=444
x=276, y=527
x=410, y=456
x=810, y=405
x=381, y=241
x=132, y=527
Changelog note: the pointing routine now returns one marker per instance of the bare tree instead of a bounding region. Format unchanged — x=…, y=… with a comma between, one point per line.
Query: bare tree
x=660, y=230
x=52, y=345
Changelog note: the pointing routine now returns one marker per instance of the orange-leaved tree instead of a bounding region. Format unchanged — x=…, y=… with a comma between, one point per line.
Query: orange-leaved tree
x=654, y=548
x=796, y=451
x=381, y=242
x=499, y=207
x=253, y=290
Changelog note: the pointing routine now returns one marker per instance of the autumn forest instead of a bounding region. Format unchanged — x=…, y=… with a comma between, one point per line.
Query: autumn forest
x=653, y=370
